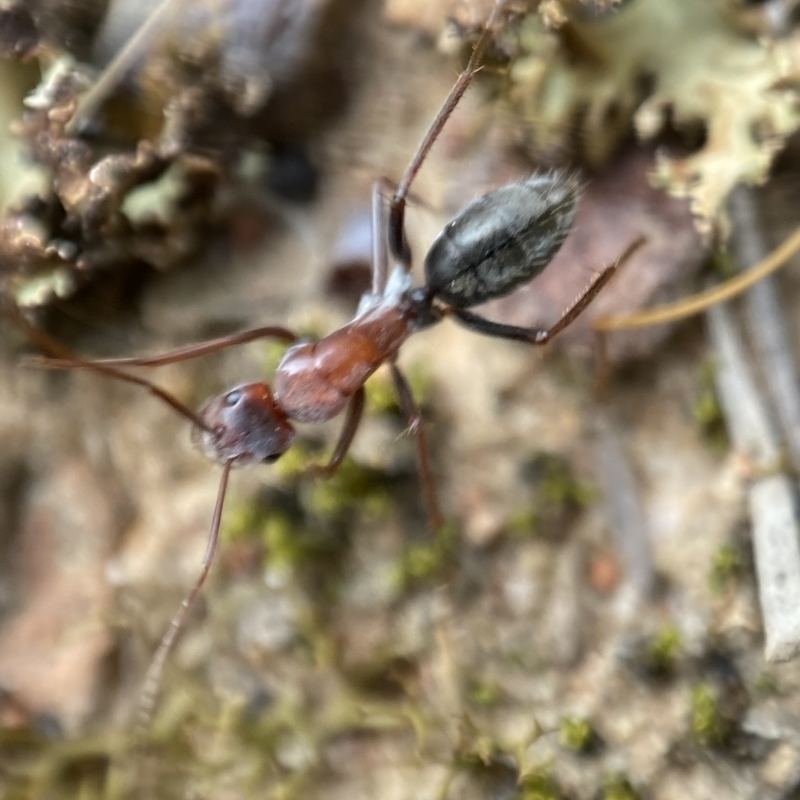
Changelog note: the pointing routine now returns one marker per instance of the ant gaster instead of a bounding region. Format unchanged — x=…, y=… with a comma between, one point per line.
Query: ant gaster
x=496, y=243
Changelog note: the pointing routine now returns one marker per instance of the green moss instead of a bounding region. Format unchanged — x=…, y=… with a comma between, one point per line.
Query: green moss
x=538, y=786
x=725, y=568
x=706, y=410
x=721, y=265
x=283, y=546
x=351, y=486
x=709, y=728
x=526, y=523
x=766, y=684
x=555, y=494
x=296, y=459
x=242, y=521
x=425, y=560
x=616, y=787
x=272, y=353
x=382, y=396
x=555, y=482
x=664, y=650
x=575, y=734
x=484, y=693
x=420, y=380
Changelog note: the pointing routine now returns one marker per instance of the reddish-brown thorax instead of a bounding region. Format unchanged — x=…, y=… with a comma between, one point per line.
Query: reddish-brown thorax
x=315, y=380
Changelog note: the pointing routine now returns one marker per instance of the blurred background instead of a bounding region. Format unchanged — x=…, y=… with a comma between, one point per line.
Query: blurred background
x=612, y=607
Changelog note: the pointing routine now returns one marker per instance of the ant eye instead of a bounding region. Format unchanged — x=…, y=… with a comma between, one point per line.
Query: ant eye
x=232, y=398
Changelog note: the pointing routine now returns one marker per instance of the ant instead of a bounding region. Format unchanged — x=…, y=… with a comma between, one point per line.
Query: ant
x=495, y=244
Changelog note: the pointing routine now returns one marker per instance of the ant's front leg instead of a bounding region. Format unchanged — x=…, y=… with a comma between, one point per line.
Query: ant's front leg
x=397, y=206
x=387, y=228
x=394, y=232
x=355, y=410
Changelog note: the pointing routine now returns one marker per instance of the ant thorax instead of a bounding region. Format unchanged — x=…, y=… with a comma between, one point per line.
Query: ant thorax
x=400, y=283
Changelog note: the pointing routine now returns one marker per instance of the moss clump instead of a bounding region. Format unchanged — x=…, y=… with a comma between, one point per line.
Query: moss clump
x=351, y=486
x=538, y=786
x=382, y=396
x=663, y=651
x=484, y=693
x=283, y=545
x=709, y=727
x=576, y=734
x=557, y=486
x=706, y=410
x=557, y=494
x=292, y=463
x=242, y=521
x=766, y=684
x=425, y=560
x=272, y=354
x=726, y=567
x=616, y=787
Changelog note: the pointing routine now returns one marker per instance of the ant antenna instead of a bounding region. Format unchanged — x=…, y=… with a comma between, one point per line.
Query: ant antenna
x=64, y=358
x=152, y=680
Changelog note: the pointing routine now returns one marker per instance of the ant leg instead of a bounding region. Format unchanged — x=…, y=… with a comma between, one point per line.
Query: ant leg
x=383, y=191
x=500, y=330
x=66, y=359
x=173, y=356
x=415, y=426
x=487, y=327
x=396, y=233
x=152, y=679
x=380, y=261
x=355, y=409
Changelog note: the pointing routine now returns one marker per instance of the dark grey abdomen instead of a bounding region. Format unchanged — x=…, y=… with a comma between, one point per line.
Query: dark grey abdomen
x=501, y=240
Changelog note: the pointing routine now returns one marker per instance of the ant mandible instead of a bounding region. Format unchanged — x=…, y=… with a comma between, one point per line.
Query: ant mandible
x=496, y=243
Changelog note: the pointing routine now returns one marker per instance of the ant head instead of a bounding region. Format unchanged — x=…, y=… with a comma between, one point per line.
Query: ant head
x=245, y=426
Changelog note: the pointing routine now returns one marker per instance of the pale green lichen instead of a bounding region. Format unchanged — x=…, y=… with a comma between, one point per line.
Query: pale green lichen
x=701, y=71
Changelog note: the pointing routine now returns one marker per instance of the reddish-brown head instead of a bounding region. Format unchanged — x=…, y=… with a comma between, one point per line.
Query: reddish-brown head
x=245, y=425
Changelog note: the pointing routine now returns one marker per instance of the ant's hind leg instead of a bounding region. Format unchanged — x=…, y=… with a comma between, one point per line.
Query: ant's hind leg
x=355, y=410
x=415, y=426
x=500, y=330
